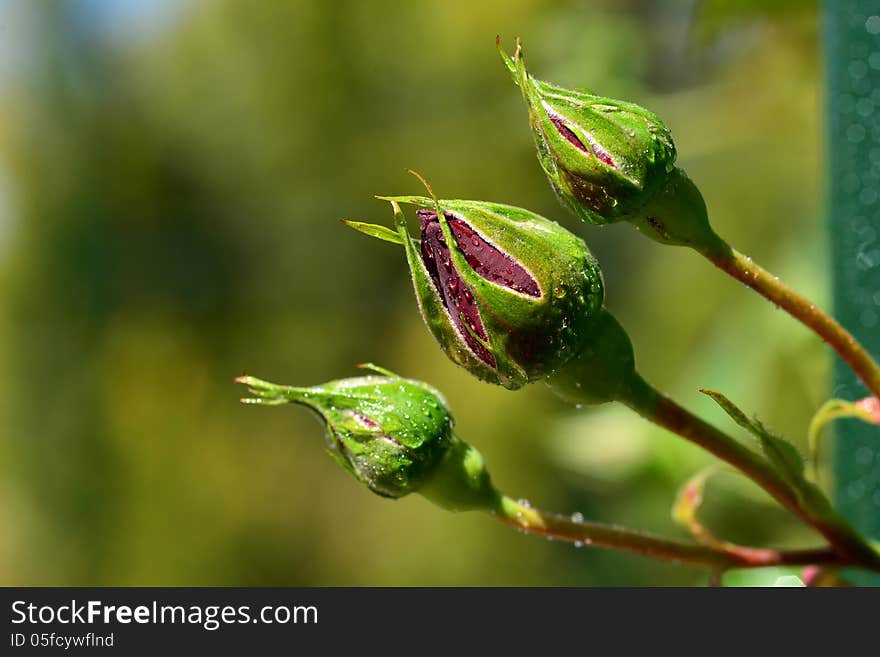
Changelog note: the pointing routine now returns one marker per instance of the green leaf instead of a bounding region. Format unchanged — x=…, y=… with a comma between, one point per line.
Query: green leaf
x=375, y=230
x=864, y=409
x=779, y=451
x=687, y=505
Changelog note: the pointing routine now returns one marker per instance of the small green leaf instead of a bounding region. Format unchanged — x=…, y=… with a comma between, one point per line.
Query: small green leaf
x=688, y=502
x=779, y=451
x=689, y=498
x=867, y=410
x=375, y=230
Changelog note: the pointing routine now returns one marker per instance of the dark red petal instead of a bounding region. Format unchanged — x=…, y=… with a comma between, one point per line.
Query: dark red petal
x=490, y=263
x=603, y=156
x=456, y=297
x=566, y=132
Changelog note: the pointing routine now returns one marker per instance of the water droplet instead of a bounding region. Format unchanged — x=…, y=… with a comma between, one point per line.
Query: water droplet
x=577, y=517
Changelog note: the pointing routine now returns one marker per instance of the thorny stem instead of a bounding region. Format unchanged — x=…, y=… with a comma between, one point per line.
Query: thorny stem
x=717, y=558
x=764, y=283
x=660, y=409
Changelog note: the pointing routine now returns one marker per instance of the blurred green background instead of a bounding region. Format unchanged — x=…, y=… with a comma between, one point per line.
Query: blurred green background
x=171, y=179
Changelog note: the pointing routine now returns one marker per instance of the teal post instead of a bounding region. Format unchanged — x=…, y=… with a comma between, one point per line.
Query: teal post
x=852, y=64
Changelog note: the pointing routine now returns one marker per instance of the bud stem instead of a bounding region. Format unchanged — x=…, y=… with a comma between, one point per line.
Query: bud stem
x=663, y=411
x=715, y=557
x=764, y=283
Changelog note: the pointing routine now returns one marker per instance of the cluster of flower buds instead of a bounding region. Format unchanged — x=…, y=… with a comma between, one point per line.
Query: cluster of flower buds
x=392, y=434
x=514, y=298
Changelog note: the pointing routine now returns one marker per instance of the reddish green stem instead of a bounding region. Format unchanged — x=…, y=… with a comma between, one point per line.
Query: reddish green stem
x=660, y=409
x=764, y=283
x=715, y=557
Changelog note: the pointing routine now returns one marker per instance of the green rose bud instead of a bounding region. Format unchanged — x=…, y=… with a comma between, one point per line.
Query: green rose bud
x=609, y=160
x=392, y=434
x=605, y=158
x=508, y=294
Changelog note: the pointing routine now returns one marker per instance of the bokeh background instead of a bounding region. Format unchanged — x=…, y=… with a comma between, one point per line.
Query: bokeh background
x=171, y=178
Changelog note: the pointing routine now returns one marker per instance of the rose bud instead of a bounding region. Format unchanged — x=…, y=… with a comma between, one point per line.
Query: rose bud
x=508, y=294
x=392, y=434
x=610, y=160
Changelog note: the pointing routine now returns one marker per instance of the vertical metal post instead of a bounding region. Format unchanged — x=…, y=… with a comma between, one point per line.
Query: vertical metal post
x=852, y=64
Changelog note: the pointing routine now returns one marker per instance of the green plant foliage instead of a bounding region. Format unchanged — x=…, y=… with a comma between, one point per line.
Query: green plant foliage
x=169, y=202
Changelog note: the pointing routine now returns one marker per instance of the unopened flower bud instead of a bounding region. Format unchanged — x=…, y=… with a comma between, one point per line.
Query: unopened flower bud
x=508, y=294
x=609, y=160
x=392, y=434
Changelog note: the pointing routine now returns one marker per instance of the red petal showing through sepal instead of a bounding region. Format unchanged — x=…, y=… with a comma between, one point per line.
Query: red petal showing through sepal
x=490, y=263
x=484, y=258
x=568, y=133
x=456, y=297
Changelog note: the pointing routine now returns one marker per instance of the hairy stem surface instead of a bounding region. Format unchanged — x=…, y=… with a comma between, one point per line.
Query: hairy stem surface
x=764, y=283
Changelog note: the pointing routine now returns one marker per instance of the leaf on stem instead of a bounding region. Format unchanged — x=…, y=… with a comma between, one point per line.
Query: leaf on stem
x=779, y=451
x=866, y=410
x=687, y=505
x=375, y=230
